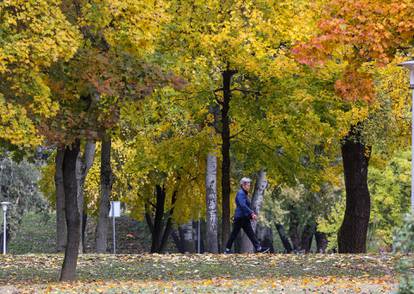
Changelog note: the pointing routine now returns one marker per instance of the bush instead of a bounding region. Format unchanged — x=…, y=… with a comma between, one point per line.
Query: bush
x=404, y=244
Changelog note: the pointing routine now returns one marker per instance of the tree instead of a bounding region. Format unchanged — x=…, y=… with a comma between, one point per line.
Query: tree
x=228, y=42
x=358, y=35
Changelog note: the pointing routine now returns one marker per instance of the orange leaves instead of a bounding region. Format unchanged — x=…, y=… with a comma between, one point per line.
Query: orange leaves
x=355, y=86
x=365, y=31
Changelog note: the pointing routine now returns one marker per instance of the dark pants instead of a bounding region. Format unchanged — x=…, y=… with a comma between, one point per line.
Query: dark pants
x=243, y=223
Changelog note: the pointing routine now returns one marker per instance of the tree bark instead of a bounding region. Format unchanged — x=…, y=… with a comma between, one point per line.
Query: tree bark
x=257, y=200
x=83, y=164
x=284, y=238
x=352, y=234
x=225, y=152
x=104, y=203
x=68, y=272
x=211, y=202
x=60, y=202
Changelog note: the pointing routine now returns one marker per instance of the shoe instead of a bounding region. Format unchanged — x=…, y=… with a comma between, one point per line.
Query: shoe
x=227, y=251
x=263, y=250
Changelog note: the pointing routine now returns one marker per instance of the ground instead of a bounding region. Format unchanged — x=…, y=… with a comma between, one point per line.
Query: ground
x=176, y=273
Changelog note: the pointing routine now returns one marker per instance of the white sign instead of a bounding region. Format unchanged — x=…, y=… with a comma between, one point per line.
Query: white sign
x=115, y=210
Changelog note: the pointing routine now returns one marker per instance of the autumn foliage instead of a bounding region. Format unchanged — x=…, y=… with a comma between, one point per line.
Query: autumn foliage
x=358, y=32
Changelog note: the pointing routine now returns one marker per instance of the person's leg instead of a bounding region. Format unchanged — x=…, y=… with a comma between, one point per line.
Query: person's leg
x=247, y=228
x=237, y=225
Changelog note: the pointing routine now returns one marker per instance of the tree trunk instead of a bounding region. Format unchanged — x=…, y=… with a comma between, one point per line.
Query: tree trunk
x=257, y=200
x=265, y=235
x=353, y=232
x=211, y=202
x=307, y=236
x=159, y=232
x=68, y=272
x=225, y=152
x=60, y=202
x=284, y=238
x=104, y=203
x=177, y=241
x=187, y=237
x=294, y=230
x=321, y=242
x=158, y=219
x=83, y=164
x=168, y=226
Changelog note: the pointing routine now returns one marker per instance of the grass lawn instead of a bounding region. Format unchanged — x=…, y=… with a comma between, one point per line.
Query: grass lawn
x=176, y=273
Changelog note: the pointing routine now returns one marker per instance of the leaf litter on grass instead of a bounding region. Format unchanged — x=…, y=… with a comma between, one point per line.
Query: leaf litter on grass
x=176, y=273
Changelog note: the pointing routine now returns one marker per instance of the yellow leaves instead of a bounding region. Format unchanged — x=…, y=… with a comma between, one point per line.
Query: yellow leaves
x=16, y=127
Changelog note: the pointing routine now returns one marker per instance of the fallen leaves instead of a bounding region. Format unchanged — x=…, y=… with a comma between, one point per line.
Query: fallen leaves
x=284, y=273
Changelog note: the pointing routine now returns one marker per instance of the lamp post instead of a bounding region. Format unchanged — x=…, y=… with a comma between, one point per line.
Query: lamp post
x=410, y=65
x=4, y=206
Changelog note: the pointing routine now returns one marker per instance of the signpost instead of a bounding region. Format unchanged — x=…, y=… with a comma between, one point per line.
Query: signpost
x=4, y=206
x=114, y=212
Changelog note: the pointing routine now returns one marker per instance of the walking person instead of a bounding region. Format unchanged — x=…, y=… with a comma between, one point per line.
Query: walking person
x=243, y=216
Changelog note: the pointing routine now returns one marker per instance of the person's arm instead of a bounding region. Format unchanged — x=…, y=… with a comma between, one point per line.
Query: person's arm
x=242, y=203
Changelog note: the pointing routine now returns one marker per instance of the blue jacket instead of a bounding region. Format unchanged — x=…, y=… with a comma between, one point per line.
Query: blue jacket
x=242, y=205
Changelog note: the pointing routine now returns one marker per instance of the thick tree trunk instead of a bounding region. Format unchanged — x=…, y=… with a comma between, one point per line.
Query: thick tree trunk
x=284, y=238
x=211, y=202
x=225, y=152
x=352, y=235
x=257, y=201
x=187, y=237
x=60, y=202
x=104, y=203
x=83, y=164
x=68, y=272
x=307, y=236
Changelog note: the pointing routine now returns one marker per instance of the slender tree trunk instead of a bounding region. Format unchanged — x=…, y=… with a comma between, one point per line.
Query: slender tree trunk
x=225, y=152
x=211, y=202
x=294, y=230
x=265, y=234
x=60, y=202
x=352, y=235
x=158, y=219
x=177, y=241
x=68, y=272
x=169, y=225
x=284, y=238
x=104, y=203
x=321, y=242
x=160, y=232
x=187, y=234
x=83, y=164
x=307, y=236
x=257, y=201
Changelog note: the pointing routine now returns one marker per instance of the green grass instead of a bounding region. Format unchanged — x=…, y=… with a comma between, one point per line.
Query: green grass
x=36, y=234
x=203, y=273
